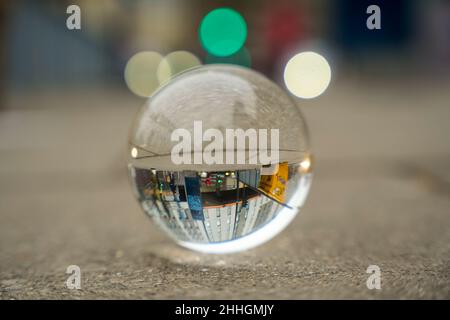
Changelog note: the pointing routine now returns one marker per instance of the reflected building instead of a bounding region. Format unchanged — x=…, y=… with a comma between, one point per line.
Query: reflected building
x=208, y=207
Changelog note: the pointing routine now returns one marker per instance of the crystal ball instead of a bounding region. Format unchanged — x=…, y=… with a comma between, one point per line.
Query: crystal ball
x=219, y=158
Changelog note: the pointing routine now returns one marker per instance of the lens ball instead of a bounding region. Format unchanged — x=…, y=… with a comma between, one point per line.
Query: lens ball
x=220, y=159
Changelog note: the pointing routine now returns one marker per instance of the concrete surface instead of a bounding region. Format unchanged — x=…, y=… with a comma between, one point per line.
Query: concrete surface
x=381, y=195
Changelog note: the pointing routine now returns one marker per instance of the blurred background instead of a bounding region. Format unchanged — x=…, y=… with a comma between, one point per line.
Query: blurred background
x=380, y=134
x=39, y=52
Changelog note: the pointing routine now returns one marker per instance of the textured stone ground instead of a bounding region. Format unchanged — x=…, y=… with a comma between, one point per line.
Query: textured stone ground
x=381, y=195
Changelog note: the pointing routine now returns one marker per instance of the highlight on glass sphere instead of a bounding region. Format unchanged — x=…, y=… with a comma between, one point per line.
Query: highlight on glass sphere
x=219, y=158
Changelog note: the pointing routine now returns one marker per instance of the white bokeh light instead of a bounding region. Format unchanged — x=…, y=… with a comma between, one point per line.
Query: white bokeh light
x=307, y=75
x=134, y=152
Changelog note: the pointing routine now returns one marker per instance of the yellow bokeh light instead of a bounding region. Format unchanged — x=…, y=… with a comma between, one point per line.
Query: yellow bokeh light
x=141, y=73
x=305, y=164
x=174, y=63
x=307, y=75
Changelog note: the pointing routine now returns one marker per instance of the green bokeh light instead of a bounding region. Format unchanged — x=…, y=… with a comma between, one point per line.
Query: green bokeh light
x=223, y=32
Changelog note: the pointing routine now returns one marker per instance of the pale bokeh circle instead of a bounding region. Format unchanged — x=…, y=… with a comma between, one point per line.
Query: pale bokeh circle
x=174, y=63
x=307, y=75
x=141, y=73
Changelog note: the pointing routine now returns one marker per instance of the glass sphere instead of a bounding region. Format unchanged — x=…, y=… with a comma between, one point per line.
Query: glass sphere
x=219, y=158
